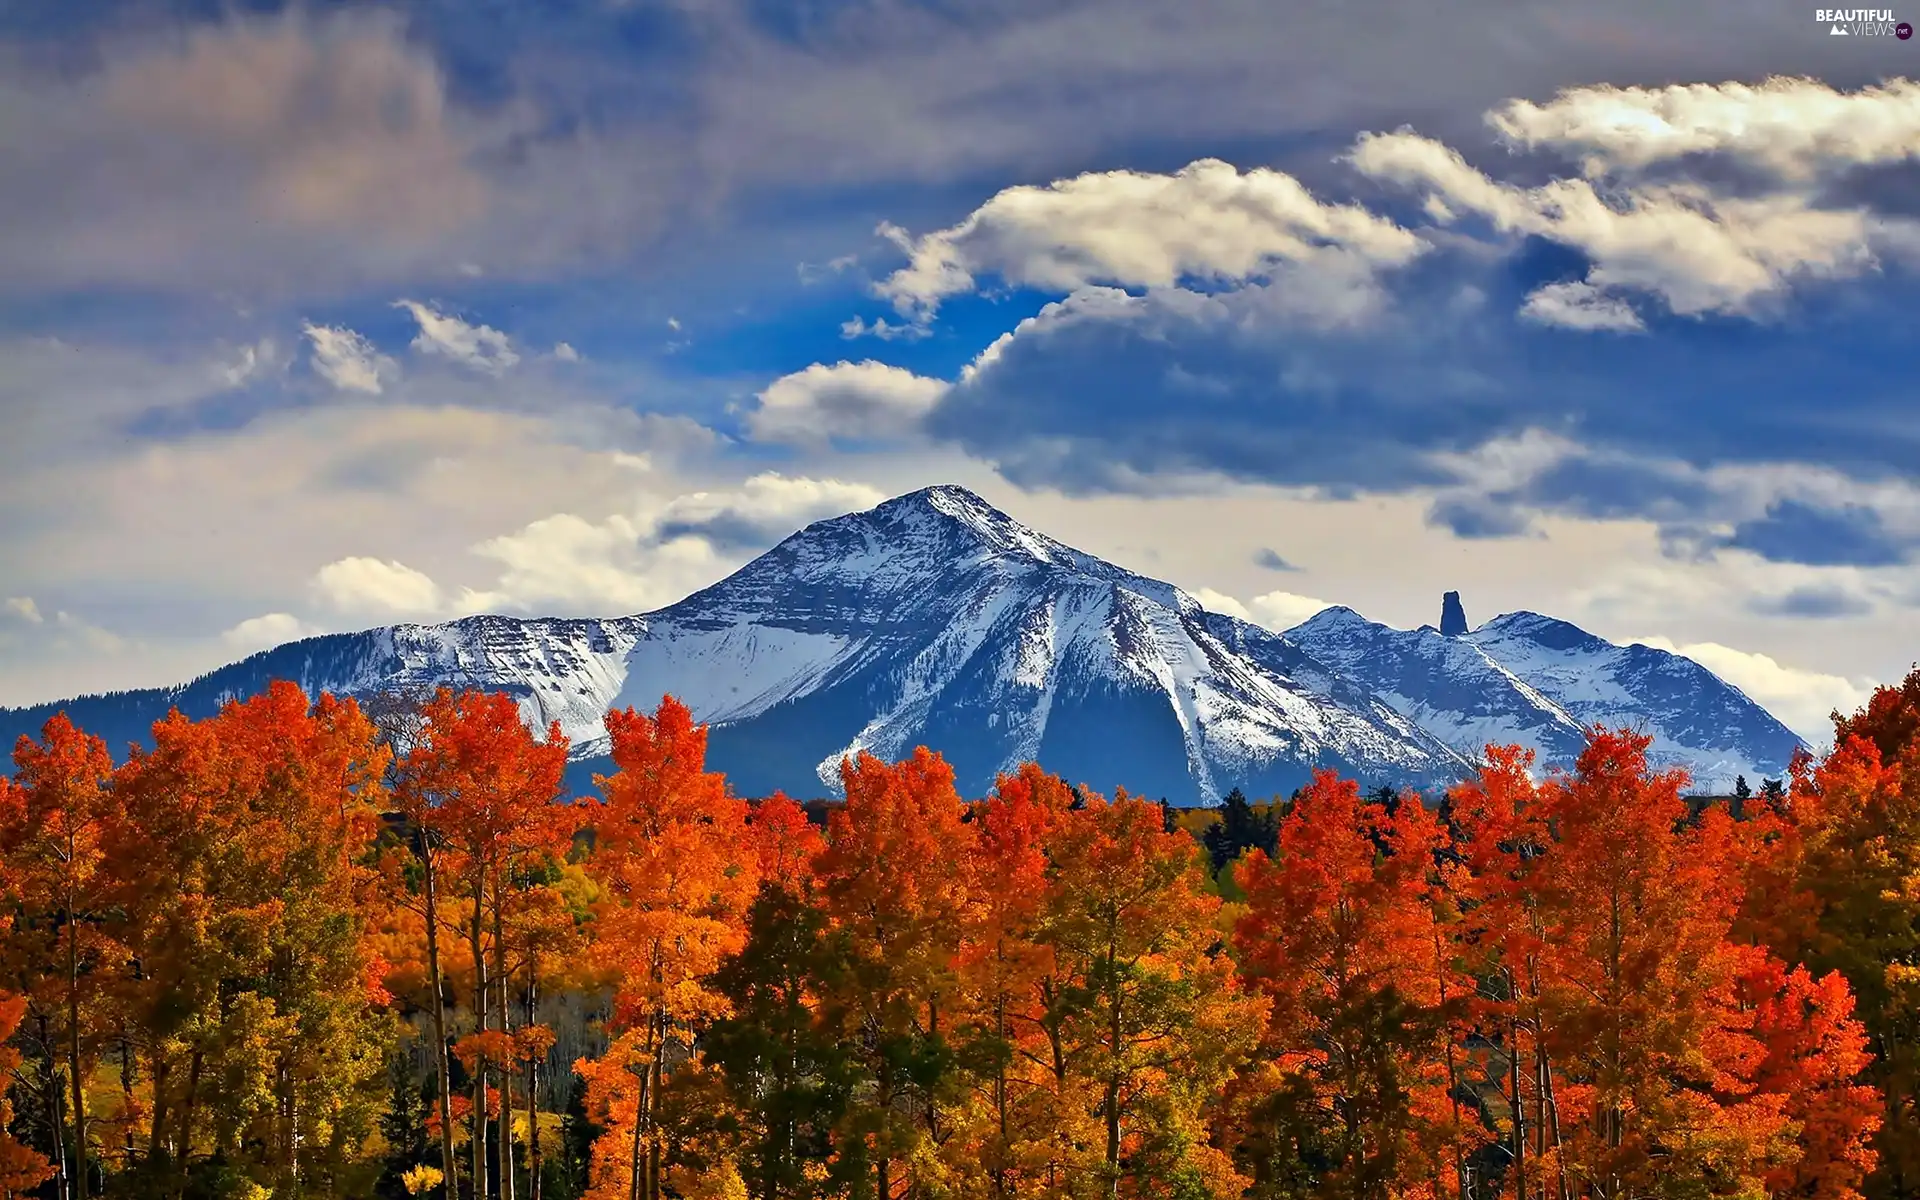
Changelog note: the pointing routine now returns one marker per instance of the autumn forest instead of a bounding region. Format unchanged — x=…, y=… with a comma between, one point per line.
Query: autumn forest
x=320, y=948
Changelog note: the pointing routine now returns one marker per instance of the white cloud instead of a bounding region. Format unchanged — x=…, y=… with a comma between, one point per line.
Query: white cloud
x=1650, y=224
x=1283, y=610
x=347, y=360
x=1278, y=611
x=1135, y=229
x=864, y=400
x=1796, y=128
x=372, y=585
x=266, y=631
x=634, y=562
x=1578, y=305
x=1699, y=251
x=565, y=352
x=478, y=346
x=597, y=568
x=768, y=505
x=22, y=608
x=1802, y=699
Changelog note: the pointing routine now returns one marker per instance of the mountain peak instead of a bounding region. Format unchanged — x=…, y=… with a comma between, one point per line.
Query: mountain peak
x=1542, y=630
x=948, y=507
x=949, y=498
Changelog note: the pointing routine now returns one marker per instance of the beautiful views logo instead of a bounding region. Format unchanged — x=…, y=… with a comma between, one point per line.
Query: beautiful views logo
x=1862, y=22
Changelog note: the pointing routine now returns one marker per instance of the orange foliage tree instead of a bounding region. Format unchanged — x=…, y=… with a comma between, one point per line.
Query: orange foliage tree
x=1005, y=971
x=63, y=933
x=1658, y=1047
x=677, y=869
x=1569, y=988
x=1151, y=1014
x=1837, y=887
x=1341, y=931
x=489, y=791
x=250, y=991
x=893, y=887
x=21, y=1167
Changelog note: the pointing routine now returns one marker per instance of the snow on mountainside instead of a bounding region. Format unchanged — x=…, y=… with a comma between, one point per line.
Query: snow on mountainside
x=932, y=619
x=564, y=670
x=1538, y=681
x=935, y=619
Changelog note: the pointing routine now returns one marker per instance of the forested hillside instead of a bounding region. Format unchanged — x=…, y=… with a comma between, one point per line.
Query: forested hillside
x=305, y=949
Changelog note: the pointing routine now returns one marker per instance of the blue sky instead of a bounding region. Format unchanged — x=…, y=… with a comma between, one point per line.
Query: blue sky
x=320, y=317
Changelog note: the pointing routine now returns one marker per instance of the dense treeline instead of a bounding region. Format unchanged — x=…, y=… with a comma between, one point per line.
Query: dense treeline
x=314, y=950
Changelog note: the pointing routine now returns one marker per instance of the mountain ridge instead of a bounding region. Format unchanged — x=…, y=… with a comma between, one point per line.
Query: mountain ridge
x=935, y=618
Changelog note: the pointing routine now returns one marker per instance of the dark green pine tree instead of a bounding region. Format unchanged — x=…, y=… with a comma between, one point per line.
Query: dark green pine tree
x=790, y=1077
x=1774, y=792
x=1238, y=830
x=405, y=1127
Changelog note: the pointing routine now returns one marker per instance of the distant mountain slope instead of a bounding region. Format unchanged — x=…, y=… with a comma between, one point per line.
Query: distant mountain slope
x=1536, y=680
x=936, y=619
x=565, y=670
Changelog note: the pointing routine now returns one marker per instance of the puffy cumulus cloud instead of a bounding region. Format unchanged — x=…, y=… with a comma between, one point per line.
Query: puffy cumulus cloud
x=478, y=346
x=1110, y=391
x=1796, y=128
x=1801, y=698
x=266, y=631
x=763, y=509
x=1107, y=389
x=347, y=360
x=657, y=554
x=596, y=568
x=1652, y=215
x=863, y=401
x=1278, y=611
x=1208, y=221
x=22, y=609
x=1699, y=251
x=377, y=586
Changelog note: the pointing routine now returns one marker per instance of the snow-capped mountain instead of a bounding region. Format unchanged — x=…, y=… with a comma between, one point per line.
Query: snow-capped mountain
x=932, y=619
x=935, y=619
x=1538, y=681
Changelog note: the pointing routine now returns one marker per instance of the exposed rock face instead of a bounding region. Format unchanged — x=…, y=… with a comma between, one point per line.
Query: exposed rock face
x=1540, y=682
x=1453, y=618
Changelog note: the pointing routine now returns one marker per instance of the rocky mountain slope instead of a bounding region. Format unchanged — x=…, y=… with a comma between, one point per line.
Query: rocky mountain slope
x=1522, y=677
x=936, y=619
